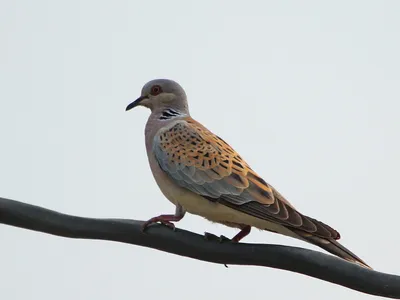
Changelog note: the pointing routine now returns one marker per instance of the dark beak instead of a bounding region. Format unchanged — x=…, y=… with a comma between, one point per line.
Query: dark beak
x=136, y=102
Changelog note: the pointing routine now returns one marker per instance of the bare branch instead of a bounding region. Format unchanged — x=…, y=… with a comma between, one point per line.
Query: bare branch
x=185, y=243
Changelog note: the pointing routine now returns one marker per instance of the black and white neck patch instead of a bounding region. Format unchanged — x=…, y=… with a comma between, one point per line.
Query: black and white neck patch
x=169, y=113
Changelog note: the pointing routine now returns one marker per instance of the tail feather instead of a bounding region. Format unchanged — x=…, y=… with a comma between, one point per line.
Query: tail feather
x=332, y=246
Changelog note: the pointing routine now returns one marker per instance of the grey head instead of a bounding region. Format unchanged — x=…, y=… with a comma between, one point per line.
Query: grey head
x=162, y=95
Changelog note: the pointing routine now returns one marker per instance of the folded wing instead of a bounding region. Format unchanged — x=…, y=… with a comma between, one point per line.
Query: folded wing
x=205, y=164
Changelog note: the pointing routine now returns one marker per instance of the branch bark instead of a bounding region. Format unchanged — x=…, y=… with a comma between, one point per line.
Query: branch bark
x=186, y=243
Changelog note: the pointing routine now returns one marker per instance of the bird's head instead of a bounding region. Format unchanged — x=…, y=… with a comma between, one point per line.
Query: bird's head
x=160, y=94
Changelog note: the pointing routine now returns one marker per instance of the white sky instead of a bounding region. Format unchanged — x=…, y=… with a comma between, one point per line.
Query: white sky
x=306, y=91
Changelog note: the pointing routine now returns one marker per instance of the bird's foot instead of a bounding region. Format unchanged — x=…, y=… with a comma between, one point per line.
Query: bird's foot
x=223, y=239
x=209, y=236
x=163, y=219
x=245, y=230
x=212, y=237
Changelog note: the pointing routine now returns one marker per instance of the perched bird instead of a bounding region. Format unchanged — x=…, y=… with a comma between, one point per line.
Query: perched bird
x=201, y=174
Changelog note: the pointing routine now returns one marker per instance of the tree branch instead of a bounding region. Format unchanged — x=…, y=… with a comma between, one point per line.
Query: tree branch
x=185, y=243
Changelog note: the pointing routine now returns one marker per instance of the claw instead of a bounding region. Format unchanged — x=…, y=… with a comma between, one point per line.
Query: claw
x=209, y=236
x=223, y=239
x=212, y=237
x=157, y=220
x=166, y=219
x=169, y=224
x=145, y=225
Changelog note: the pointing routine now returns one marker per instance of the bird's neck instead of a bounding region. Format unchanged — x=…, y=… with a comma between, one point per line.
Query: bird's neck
x=160, y=118
x=169, y=113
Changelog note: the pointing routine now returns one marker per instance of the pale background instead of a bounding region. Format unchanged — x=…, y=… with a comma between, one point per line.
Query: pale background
x=306, y=91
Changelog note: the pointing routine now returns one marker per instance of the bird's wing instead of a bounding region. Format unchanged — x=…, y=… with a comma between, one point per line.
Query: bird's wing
x=205, y=164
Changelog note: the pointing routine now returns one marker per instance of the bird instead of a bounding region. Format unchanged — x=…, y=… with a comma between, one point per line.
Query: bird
x=203, y=175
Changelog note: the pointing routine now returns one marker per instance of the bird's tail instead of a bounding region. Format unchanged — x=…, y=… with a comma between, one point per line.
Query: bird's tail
x=332, y=246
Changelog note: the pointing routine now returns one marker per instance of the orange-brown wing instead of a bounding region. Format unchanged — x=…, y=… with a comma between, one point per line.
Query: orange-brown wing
x=205, y=164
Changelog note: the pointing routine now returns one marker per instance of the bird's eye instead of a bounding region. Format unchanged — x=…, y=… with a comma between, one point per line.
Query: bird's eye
x=155, y=90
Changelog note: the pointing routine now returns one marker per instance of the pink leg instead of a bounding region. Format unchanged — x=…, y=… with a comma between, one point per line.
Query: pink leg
x=166, y=219
x=244, y=232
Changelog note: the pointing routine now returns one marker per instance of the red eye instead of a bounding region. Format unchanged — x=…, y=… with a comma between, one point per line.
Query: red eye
x=155, y=90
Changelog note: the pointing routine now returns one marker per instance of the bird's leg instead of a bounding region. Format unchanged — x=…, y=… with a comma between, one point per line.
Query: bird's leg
x=167, y=219
x=242, y=233
x=245, y=230
x=210, y=237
